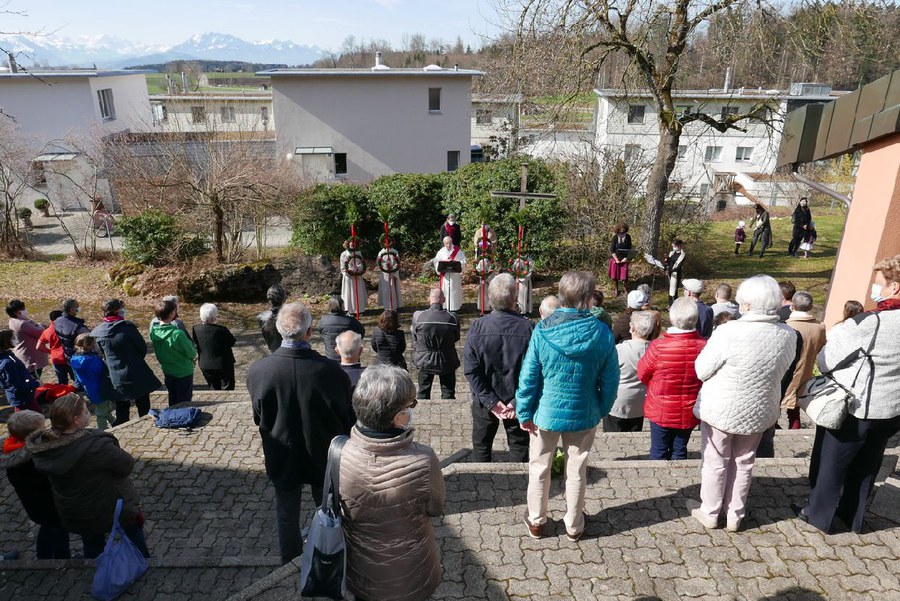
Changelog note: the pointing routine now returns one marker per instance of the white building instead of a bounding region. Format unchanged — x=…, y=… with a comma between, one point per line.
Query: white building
x=359, y=124
x=708, y=160
x=217, y=113
x=496, y=123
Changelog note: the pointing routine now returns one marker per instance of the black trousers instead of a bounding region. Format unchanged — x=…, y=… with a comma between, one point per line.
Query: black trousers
x=287, y=514
x=764, y=237
x=796, y=239
x=123, y=409
x=219, y=379
x=766, y=448
x=843, y=468
x=448, y=385
x=623, y=424
x=484, y=428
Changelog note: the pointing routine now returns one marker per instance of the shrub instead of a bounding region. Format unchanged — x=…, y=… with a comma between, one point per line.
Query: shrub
x=23, y=213
x=411, y=203
x=41, y=204
x=322, y=221
x=154, y=238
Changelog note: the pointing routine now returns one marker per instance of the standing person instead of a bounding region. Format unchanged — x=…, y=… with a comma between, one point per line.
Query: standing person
x=391, y=487
x=32, y=487
x=435, y=333
x=450, y=283
x=175, y=353
x=214, y=344
x=852, y=308
x=67, y=327
x=176, y=321
x=809, y=239
x=667, y=369
x=549, y=304
x=353, y=286
x=693, y=289
x=335, y=322
x=49, y=343
x=739, y=237
x=495, y=347
x=388, y=262
x=845, y=462
x=88, y=473
x=801, y=220
x=739, y=400
x=451, y=228
x=26, y=337
x=620, y=252
x=301, y=400
x=522, y=269
x=567, y=385
x=125, y=351
x=93, y=374
x=18, y=383
x=627, y=413
x=276, y=295
x=762, y=231
x=674, y=266
x=723, y=303
x=788, y=290
x=598, y=311
x=812, y=337
x=389, y=341
x=635, y=301
x=349, y=347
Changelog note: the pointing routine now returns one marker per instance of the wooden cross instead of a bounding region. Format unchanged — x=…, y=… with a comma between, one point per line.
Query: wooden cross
x=522, y=195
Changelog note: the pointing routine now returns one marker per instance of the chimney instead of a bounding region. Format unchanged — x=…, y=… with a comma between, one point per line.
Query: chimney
x=184, y=89
x=456, y=67
x=727, y=87
x=11, y=60
x=378, y=59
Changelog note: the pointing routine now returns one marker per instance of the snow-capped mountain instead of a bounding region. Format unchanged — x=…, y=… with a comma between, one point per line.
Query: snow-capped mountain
x=112, y=52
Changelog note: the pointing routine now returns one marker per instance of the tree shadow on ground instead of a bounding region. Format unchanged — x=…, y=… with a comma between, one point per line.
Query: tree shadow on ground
x=795, y=593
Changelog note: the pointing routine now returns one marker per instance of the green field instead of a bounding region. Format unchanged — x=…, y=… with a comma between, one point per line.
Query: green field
x=156, y=82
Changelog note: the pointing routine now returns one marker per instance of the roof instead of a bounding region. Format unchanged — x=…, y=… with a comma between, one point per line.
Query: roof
x=369, y=73
x=737, y=94
x=209, y=97
x=501, y=99
x=37, y=73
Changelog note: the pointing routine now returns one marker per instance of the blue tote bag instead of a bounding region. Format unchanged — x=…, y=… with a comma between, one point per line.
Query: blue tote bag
x=120, y=564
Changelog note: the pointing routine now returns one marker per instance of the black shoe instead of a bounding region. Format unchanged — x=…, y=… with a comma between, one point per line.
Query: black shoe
x=800, y=512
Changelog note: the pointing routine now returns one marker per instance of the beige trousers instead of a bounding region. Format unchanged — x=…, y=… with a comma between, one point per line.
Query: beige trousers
x=726, y=472
x=576, y=446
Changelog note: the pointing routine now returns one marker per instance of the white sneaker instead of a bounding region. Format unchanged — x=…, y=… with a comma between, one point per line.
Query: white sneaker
x=705, y=520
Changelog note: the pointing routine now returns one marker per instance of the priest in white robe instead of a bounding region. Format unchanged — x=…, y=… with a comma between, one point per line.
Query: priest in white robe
x=451, y=283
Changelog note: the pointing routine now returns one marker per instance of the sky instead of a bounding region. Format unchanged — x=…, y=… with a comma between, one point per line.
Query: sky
x=325, y=23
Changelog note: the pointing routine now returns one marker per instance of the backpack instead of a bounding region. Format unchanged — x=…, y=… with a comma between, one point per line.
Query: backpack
x=176, y=417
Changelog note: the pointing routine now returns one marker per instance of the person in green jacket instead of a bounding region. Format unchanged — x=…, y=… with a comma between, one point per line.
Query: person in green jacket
x=598, y=311
x=175, y=353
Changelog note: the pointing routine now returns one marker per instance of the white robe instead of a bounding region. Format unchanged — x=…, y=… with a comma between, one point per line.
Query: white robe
x=483, y=284
x=525, y=300
x=452, y=282
x=353, y=288
x=389, y=284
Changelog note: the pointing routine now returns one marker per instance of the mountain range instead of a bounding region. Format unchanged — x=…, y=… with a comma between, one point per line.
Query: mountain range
x=111, y=52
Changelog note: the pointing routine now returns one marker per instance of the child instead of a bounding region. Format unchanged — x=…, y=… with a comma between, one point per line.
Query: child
x=93, y=374
x=175, y=353
x=852, y=308
x=598, y=311
x=739, y=237
x=33, y=487
x=17, y=382
x=809, y=238
x=49, y=343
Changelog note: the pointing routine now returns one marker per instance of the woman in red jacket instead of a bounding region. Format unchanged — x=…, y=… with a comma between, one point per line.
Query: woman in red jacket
x=667, y=368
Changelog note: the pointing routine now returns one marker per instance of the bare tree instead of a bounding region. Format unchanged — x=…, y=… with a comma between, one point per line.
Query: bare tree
x=15, y=174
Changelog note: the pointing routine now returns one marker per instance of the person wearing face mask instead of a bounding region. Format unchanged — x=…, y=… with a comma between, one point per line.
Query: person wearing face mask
x=801, y=219
x=26, y=338
x=451, y=228
x=68, y=327
x=845, y=462
x=391, y=487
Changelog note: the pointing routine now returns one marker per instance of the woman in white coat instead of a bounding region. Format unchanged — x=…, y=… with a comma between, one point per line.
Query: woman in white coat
x=353, y=287
x=741, y=367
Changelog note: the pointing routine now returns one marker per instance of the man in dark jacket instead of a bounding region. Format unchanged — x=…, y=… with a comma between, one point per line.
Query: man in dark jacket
x=67, y=328
x=301, y=400
x=335, y=322
x=349, y=347
x=435, y=333
x=495, y=347
x=693, y=288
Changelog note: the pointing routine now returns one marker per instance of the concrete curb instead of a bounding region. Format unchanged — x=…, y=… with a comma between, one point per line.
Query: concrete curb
x=290, y=570
x=161, y=562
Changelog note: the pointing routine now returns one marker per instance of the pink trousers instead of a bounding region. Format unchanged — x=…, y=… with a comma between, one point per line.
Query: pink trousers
x=726, y=472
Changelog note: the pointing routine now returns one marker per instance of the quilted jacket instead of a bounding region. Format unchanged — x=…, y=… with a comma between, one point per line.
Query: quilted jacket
x=390, y=489
x=570, y=373
x=667, y=368
x=742, y=366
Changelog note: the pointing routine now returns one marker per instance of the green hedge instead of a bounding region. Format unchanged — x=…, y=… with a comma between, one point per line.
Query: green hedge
x=155, y=238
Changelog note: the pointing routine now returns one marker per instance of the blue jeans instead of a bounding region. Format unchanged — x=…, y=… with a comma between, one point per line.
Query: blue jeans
x=668, y=443
x=52, y=542
x=93, y=545
x=181, y=390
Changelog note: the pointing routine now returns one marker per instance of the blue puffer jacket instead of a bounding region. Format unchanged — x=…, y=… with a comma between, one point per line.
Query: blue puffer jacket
x=570, y=374
x=17, y=383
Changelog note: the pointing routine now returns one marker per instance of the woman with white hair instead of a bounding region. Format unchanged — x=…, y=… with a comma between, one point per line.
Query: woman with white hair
x=214, y=343
x=740, y=398
x=390, y=488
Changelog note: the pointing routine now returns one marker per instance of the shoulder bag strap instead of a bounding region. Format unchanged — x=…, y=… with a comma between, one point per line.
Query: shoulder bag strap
x=868, y=356
x=116, y=528
x=333, y=473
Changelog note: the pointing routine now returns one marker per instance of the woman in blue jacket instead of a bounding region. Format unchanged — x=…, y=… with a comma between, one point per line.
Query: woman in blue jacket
x=568, y=382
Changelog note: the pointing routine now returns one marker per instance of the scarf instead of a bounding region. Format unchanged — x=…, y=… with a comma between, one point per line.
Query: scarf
x=12, y=444
x=111, y=318
x=888, y=304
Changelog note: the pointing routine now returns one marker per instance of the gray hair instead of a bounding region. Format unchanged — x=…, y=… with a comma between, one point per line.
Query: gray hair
x=172, y=298
x=576, y=289
x=444, y=241
x=802, y=301
x=759, y=294
x=548, y=306
x=293, y=321
x=724, y=292
x=348, y=344
x=684, y=313
x=383, y=391
x=502, y=292
x=335, y=304
x=208, y=312
x=436, y=296
x=23, y=423
x=644, y=323
x=645, y=289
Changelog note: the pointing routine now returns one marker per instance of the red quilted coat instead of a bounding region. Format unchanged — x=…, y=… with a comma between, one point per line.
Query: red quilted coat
x=667, y=368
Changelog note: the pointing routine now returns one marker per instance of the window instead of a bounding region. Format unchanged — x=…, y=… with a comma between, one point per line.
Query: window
x=484, y=116
x=744, y=154
x=159, y=112
x=681, y=109
x=107, y=107
x=452, y=160
x=434, y=100
x=682, y=151
x=264, y=113
x=636, y=113
x=632, y=152
x=227, y=114
x=340, y=163
x=713, y=154
x=704, y=189
x=729, y=110
x=198, y=114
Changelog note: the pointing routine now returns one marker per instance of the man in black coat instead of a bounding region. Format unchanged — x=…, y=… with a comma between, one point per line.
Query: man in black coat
x=301, y=400
x=336, y=322
x=349, y=347
x=492, y=359
x=435, y=333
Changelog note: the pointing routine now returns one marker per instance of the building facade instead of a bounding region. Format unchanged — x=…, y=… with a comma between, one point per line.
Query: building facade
x=219, y=113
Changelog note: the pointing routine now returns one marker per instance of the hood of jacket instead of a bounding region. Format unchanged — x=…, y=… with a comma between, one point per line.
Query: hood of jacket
x=572, y=333
x=109, y=328
x=57, y=456
x=164, y=331
x=15, y=458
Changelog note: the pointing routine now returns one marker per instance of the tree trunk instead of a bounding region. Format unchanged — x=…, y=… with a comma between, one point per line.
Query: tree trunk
x=657, y=185
x=219, y=232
